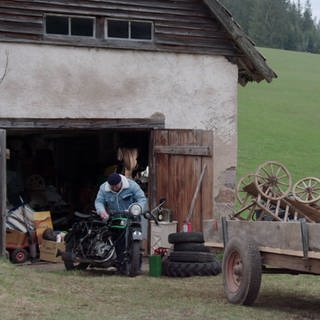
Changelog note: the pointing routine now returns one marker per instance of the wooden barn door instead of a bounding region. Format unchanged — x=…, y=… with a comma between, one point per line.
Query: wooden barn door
x=179, y=157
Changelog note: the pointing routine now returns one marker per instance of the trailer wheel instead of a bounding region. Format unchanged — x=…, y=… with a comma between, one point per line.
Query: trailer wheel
x=241, y=271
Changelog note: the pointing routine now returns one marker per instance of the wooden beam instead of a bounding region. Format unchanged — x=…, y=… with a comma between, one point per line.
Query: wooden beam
x=204, y=151
x=291, y=262
x=67, y=123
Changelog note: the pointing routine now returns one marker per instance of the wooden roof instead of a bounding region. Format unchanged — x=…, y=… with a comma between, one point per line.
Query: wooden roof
x=252, y=64
x=180, y=26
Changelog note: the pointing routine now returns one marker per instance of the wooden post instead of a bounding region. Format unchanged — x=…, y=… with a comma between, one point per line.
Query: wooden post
x=3, y=191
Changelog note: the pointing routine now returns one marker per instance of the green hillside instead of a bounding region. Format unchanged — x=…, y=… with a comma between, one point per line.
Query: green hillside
x=281, y=120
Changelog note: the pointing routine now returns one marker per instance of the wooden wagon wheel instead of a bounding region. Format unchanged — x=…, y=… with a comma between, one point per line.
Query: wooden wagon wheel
x=273, y=180
x=307, y=190
x=241, y=194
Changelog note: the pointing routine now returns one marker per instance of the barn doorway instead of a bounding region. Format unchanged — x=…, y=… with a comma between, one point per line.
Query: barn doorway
x=60, y=170
x=71, y=158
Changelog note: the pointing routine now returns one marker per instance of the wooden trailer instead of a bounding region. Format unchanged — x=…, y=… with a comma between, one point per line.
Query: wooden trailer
x=275, y=229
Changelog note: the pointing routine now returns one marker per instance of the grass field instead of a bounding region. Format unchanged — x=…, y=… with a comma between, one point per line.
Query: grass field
x=31, y=293
x=280, y=120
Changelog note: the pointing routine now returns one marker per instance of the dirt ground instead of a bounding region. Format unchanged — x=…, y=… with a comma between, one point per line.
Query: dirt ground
x=51, y=266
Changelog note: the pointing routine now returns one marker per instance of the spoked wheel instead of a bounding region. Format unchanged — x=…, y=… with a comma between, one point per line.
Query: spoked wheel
x=273, y=180
x=134, y=263
x=241, y=271
x=307, y=190
x=242, y=195
x=246, y=192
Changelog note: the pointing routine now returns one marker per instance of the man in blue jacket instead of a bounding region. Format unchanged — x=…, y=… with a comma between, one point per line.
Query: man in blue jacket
x=117, y=194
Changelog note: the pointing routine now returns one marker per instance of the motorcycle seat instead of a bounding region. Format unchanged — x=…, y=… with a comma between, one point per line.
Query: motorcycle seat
x=82, y=215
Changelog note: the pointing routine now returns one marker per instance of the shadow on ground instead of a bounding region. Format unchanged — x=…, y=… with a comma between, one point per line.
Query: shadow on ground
x=300, y=305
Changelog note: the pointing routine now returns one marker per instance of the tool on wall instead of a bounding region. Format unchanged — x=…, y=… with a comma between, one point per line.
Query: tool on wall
x=187, y=223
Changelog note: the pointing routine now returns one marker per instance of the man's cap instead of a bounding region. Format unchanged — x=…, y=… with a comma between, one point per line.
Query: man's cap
x=114, y=179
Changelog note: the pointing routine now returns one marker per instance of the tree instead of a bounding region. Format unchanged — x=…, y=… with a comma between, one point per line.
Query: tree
x=241, y=10
x=309, y=30
x=268, y=24
x=282, y=24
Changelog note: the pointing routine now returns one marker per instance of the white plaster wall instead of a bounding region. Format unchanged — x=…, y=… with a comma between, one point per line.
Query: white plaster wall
x=191, y=91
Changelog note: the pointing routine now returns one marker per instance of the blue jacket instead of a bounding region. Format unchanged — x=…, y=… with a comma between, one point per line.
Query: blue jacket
x=108, y=200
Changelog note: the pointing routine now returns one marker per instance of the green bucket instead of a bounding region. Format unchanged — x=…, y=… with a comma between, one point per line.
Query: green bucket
x=155, y=266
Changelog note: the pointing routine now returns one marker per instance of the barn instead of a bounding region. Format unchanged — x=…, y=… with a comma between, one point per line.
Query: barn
x=81, y=80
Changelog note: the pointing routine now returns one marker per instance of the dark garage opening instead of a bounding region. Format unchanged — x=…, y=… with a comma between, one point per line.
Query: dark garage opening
x=61, y=170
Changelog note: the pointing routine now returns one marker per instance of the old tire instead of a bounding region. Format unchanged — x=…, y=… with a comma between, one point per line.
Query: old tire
x=188, y=269
x=191, y=246
x=241, y=271
x=19, y=255
x=182, y=237
x=191, y=256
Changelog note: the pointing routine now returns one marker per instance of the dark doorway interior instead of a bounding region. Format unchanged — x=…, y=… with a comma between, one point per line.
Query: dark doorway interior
x=61, y=170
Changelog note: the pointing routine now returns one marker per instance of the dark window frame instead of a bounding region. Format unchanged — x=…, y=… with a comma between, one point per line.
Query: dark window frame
x=129, y=38
x=69, y=18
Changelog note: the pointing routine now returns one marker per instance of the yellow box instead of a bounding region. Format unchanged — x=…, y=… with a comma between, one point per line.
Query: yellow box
x=48, y=250
x=42, y=221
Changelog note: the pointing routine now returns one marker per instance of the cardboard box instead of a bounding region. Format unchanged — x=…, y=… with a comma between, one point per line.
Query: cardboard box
x=42, y=221
x=48, y=250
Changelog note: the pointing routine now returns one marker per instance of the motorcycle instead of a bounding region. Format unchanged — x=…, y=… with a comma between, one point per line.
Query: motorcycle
x=93, y=241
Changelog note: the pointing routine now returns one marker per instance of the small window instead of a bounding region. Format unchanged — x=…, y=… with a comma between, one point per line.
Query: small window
x=141, y=30
x=82, y=27
x=135, y=30
x=118, y=29
x=70, y=26
x=57, y=25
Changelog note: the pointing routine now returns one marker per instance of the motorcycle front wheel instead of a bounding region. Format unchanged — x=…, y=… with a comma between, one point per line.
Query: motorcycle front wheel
x=134, y=263
x=72, y=265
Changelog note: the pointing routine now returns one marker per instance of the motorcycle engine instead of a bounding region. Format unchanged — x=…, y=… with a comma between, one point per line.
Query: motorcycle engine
x=94, y=242
x=102, y=249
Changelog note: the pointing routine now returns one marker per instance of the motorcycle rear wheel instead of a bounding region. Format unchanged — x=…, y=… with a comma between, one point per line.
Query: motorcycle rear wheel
x=71, y=265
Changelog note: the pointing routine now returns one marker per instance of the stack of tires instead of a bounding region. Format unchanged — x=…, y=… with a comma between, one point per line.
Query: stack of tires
x=190, y=257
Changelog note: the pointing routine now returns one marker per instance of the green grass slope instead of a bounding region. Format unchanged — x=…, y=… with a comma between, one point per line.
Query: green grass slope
x=281, y=120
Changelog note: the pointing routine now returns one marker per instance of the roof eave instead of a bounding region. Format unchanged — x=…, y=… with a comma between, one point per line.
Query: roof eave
x=260, y=71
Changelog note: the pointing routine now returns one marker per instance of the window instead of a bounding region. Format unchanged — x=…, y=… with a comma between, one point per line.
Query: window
x=118, y=29
x=82, y=27
x=70, y=26
x=141, y=30
x=57, y=25
x=134, y=30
